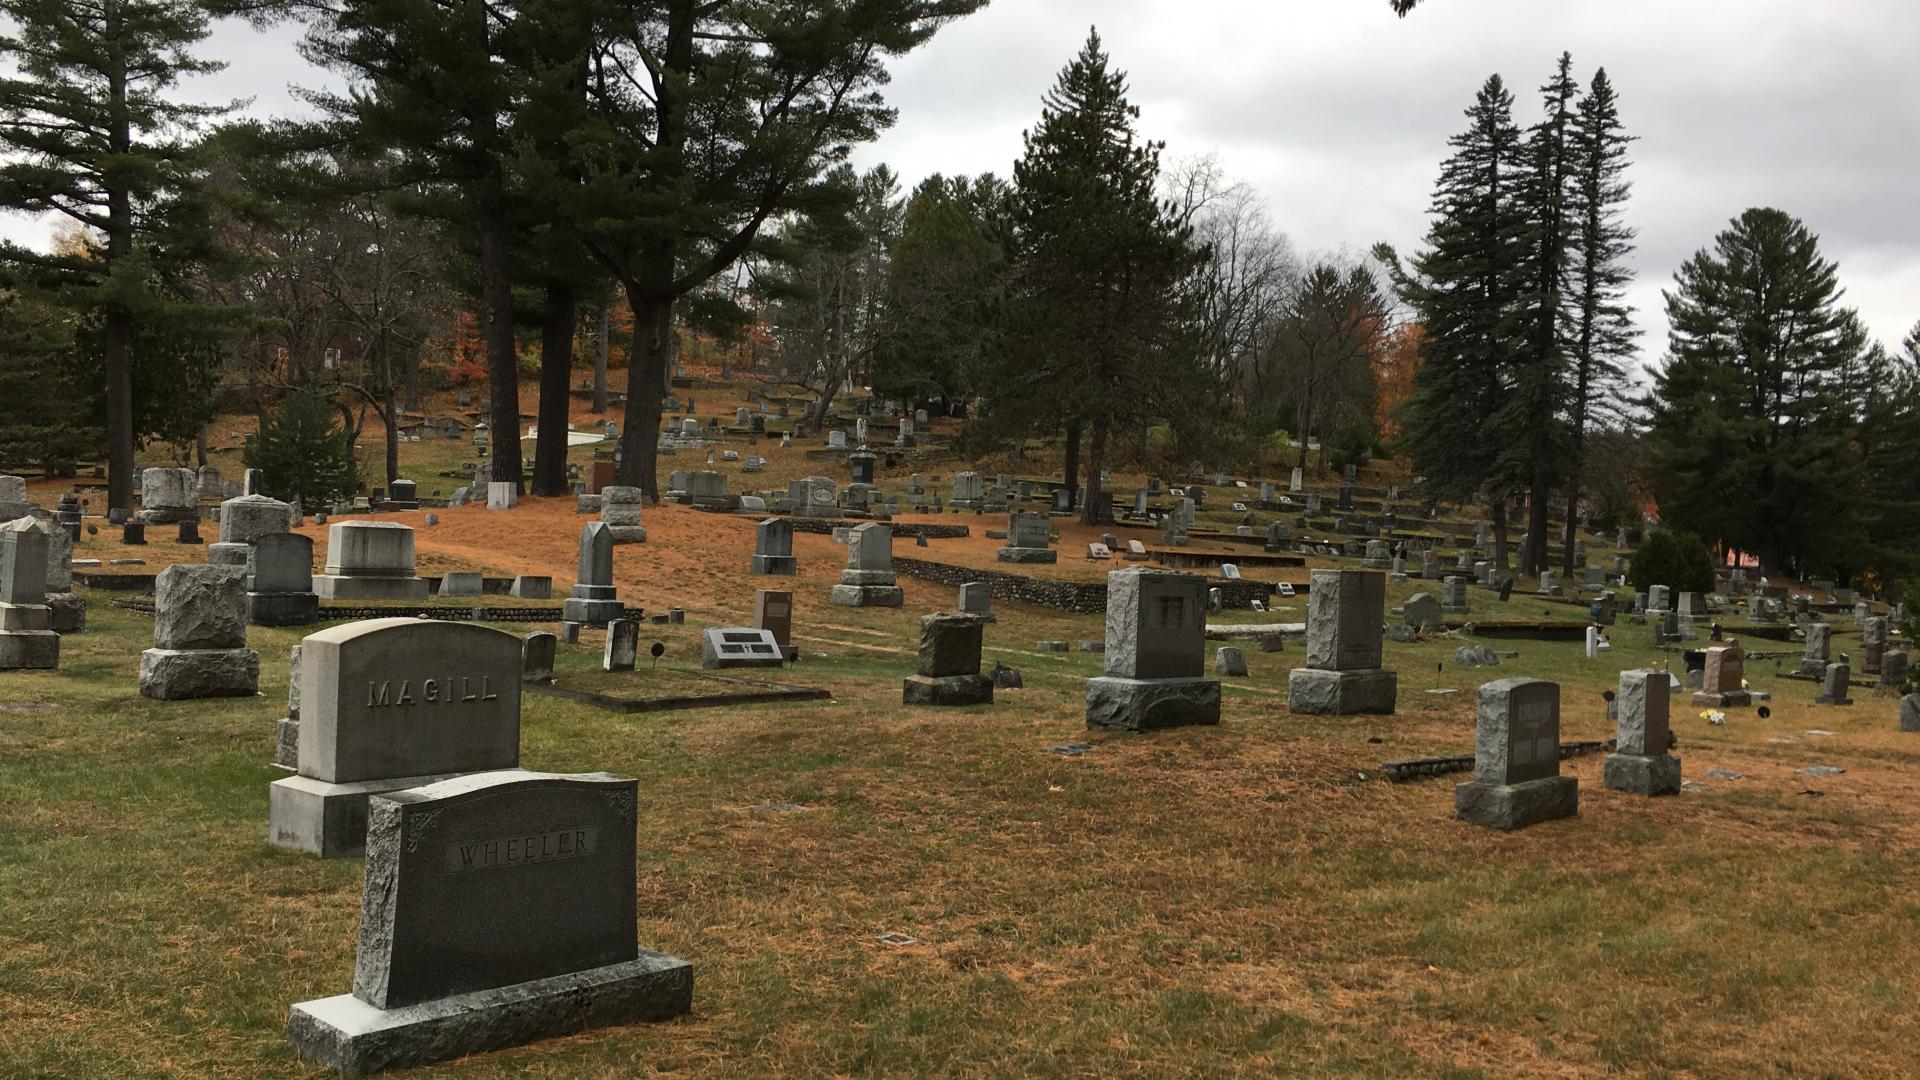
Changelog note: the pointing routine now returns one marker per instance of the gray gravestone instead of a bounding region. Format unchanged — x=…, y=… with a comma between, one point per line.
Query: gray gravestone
x=948, y=669
x=1343, y=673
x=1516, y=762
x=199, y=636
x=1640, y=763
x=623, y=645
x=498, y=909
x=1156, y=654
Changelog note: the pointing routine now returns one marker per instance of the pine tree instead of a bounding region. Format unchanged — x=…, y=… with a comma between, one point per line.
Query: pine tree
x=1600, y=331
x=1543, y=199
x=89, y=132
x=1753, y=429
x=1463, y=290
x=947, y=274
x=1095, y=314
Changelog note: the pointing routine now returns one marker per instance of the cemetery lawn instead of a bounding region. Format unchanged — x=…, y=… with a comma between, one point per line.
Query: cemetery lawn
x=1246, y=900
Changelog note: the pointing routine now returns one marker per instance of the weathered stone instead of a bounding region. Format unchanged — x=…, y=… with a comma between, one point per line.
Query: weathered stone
x=1148, y=704
x=950, y=644
x=1910, y=713
x=249, y=517
x=1316, y=692
x=1516, y=806
x=1641, y=764
x=1421, y=610
x=594, y=599
x=537, y=652
x=1344, y=619
x=1156, y=624
x=1835, y=686
x=947, y=690
x=200, y=607
x=369, y=560
x=623, y=645
x=740, y=646
x=498, y=909
x=1228, y=660
x=773, y=548
x=1516, y=761
x=178, y=674
x=461, y=583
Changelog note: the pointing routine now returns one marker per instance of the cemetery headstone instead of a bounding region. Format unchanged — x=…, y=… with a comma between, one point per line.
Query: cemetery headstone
x=280, y=581
x=498, y=909
x=1156, y=654
x=537, y=653
x=369, y=560
x=740, y=646
x=594, y=600
x=1343, y=674
x=1723, y=685
x=27, y=638
x=620, y=509
x=773, y=548
x=868, y=580
x=199, y=636
x=531, y=587
x=1516, y=759
x=1028, y=537
x=947, y=672
x=623, y=645
x=1640, y=763
x=388, y=704
x=1834, y=686
x=773, y=612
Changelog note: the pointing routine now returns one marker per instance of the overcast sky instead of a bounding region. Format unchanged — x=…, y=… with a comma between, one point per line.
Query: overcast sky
x=1338, y=113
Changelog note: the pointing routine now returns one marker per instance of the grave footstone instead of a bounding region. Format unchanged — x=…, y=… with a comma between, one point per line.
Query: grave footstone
x=199, y=636
x=1516, y=761
x=498, y=909
x=1156, y=654
x=388, y=704
x=1343, y=674
x=1640, y=763
x=623, y=645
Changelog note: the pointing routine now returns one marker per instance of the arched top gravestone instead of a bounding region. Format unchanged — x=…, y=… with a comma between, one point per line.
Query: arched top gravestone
x=387, y=698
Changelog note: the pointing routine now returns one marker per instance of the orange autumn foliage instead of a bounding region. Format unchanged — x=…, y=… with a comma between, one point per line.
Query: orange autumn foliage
x=1393, y=368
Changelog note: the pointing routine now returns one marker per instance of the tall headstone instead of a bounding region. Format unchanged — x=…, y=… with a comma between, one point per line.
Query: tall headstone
x=168, y=495
x=620, y=512
x=1835, y=685
x=199, y=636
x=13, y=498
x=499, y=909
x=280, y=581
x=969, y=490
x=1640, y=763
x=1516, y=759
x=27, y=639
x=1028, y=537
x=868, y=580
x=1813, y=662
x=389, y=704
x=286, y=730
x=1346, y=610
x=623, y=645
x=1873, y=643
x=369, y=560
x=1453, y=596
x=1155, y=657
x=594, y=600
x=773, y=548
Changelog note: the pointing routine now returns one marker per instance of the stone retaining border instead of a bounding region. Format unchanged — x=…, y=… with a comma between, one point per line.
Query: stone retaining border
x=1078, y=597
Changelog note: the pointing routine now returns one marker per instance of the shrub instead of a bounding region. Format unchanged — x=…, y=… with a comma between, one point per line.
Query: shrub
x=1677, y=560
x=1352, y=445
x=302, y=451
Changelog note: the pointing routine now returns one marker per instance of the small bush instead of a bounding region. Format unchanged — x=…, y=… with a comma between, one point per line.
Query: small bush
x=1352, y=445
x=302, y=451
x=1679, y=561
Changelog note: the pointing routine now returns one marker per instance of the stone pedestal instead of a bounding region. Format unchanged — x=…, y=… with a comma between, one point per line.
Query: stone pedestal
x=1338, y=693
x=328, y=820
x=27, y=650
x=283, y=609
x=1147, y=704
x=69, y=612
x=869, y=595
x=594, y=605
x=780, y=565
x=947, y=690
x=1738, y=699
x=175, y=674
x=354, y=587
x=1516, y=806
x=1642, y=774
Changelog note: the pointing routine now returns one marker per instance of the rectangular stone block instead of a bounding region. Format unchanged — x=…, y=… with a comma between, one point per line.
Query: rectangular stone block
x=1516, y=806
x=950, y=644
x=1642, y=709
x=1149, y=704
x=1346, y=610
x=1642, y=774
x=947, y=691
x=740, y=646
x=1517, y=734
x=328, y=820
x=1156, y=624
x=1318, y=692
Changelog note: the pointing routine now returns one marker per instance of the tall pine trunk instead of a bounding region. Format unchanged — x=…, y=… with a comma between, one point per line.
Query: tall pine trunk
x=503, y=366
x=647, y=360
x=556, y=366
x=118, y=359
x=1499, y=515
x=1096, y=459
x=600, y=348
x=1072, y=470
x=1539, y=504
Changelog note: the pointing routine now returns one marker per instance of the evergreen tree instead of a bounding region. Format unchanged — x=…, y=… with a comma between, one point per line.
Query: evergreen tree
x=89, y=132
x=1540, y=382
x=706, y=119
x=947, y=275
x=1095, y=317
x=1464, y=291
x=302, y=453
x=1752, y=434
x=1600, y=331
x=53, y=419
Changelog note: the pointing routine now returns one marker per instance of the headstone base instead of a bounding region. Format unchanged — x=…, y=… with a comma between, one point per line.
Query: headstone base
x=345, y=587
x=328, y=820
x=1369, y=691
x=1147, y=704
x=68, y=613
x=869, y=595
x=355, y=1038
x=283, y=608
x=29, y=650
x=777, y=565
x=591, y=612
x=182, y=674
x=1638, y=774
x=628, y=534
x=1028, y=555
x=228, y=554
x=1516, y=806
x=947, y=690
x=1738, y=699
